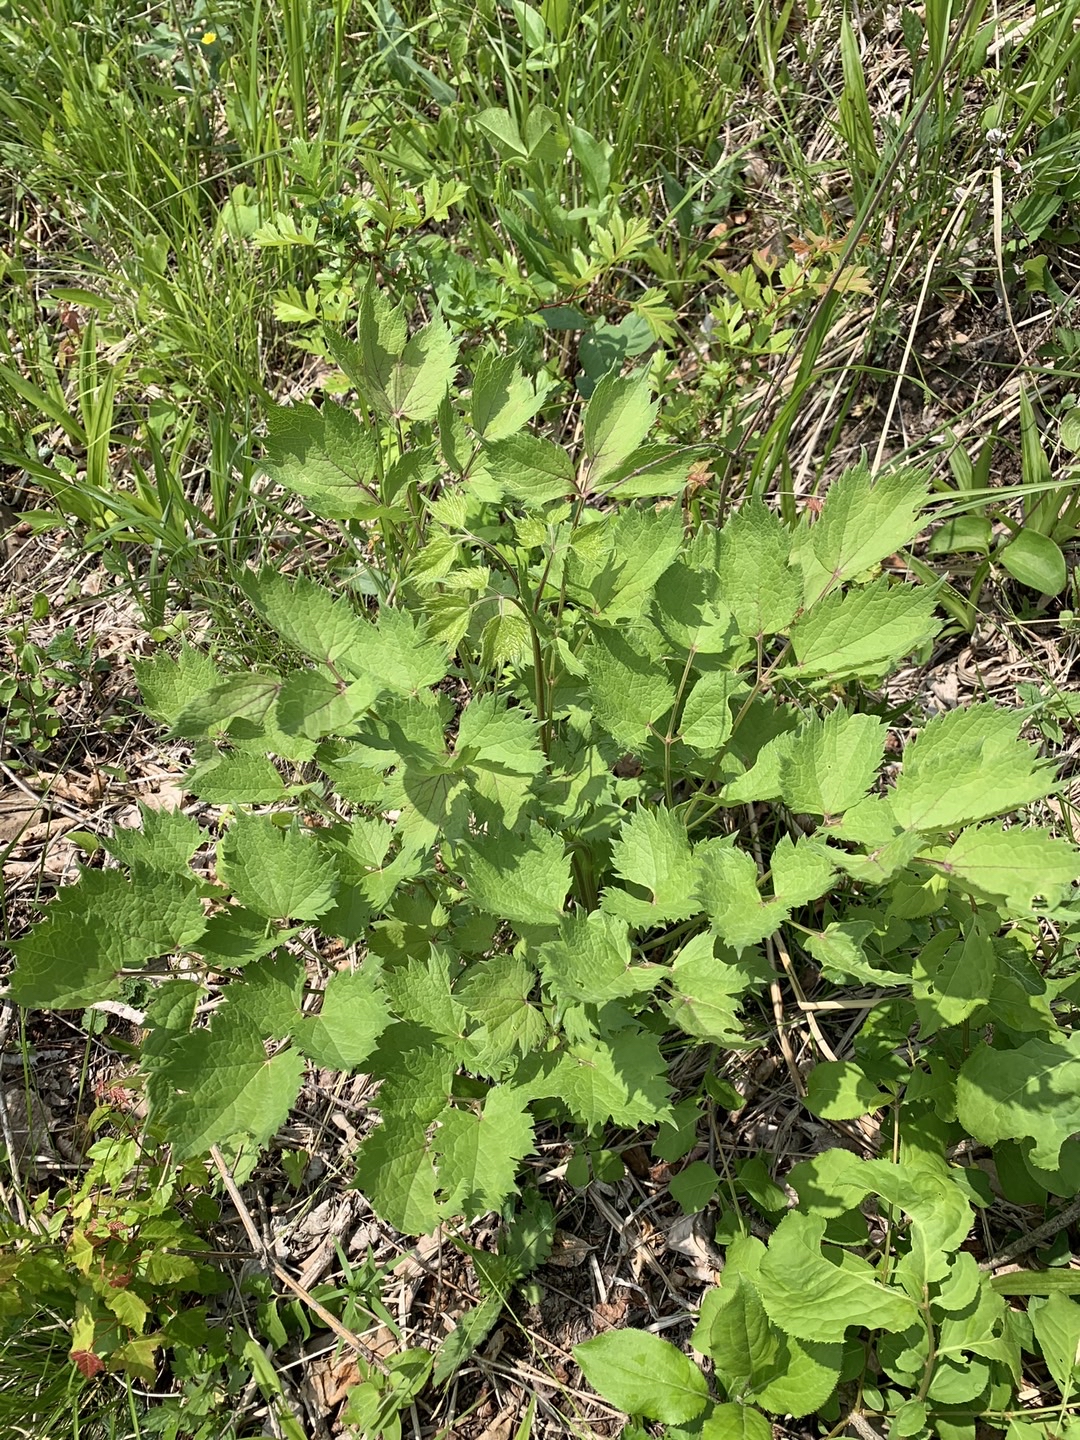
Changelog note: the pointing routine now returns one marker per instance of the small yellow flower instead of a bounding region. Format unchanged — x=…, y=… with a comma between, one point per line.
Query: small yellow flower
x=210, y=38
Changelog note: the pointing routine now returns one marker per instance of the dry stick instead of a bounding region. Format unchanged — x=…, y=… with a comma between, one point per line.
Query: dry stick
x=858, y=230
x=8, y=1133
x=259, y=1246
x=909, y=343
x=1046, y=1231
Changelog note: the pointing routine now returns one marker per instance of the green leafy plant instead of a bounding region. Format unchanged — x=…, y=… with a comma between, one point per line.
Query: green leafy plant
x=528, y=929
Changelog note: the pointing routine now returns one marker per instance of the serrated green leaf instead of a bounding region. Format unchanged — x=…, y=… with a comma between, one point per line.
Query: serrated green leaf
x=649, y=472
x=245, y=696
x=815, y=1295
x=862, y=632
x=1030, y=1092
x=830, y=763
x=618, y=416
x=529, y=468
x=327, y=457
x=839, y=950
x=271, y=994
x=499, y=737
x=405, y=380
x=235, y=936
x=235, y=778
x=106, y=923
x=421, y=989
x=801, y=871
x=707, y=717
x=861, y=522
x=706, y=990
x=643, y=1375
x=689, y=612
x=396, y=1174
x=622, y=1079
x=282, y=874
x=967, y=765
x=496, y=994
x=757, y=582
x=353, y=1015
x=592, y=963
x=310, y=619
x=168, y=685
x=166, y=840
x=311, y=703
x=218, y=1083
x=1014, y=865
x=727, y=889
x=953, y=977
x=653, y=854
x=520, y=878
x=479, y=1154
x=629, y=692
x=503, y=399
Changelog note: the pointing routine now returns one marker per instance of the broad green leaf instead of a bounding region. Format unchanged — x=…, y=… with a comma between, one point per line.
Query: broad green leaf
x=497, y=736
x=245, y=696
x=815, y=1295
x=727, y=887
x=271, y=995
x=529, y=468
x=622, y=1079
x=404, y=658
x=801, y=871
x=829, y=764
x=166, y=840
x=953, y=977
x=1013, y=865
x=734, y=1330
x=652, y=853
x=591, y=962
x=235, y=936
x=310, y=619
x=840, y=1090
x=707, y=717
x=311, y=703
x=503, y=399
x=282, y=874
x=421, y=989
x=706, y=990
x=235, y=778
x=629, y=691
x=168, y=686
x=218, y=1083
x=327, y=457
x=862, y=632
x=648, y=472
x=1036, y=561
x=523, y=879
x=405, y=381
x=1031, y=1092
x=689, y=612
x=694, y=1187
x=353, y=1015
x=496, y=994
x=839, y=950
x=381, y=336
x=1056, y=1323
x=861, y=522
x=757, y=582
x=732, y=1422
x=479, y=1154
x=396, y=1175
x=618, y=416
x=967, y=765
x=643, y=1375
x=93, y=930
